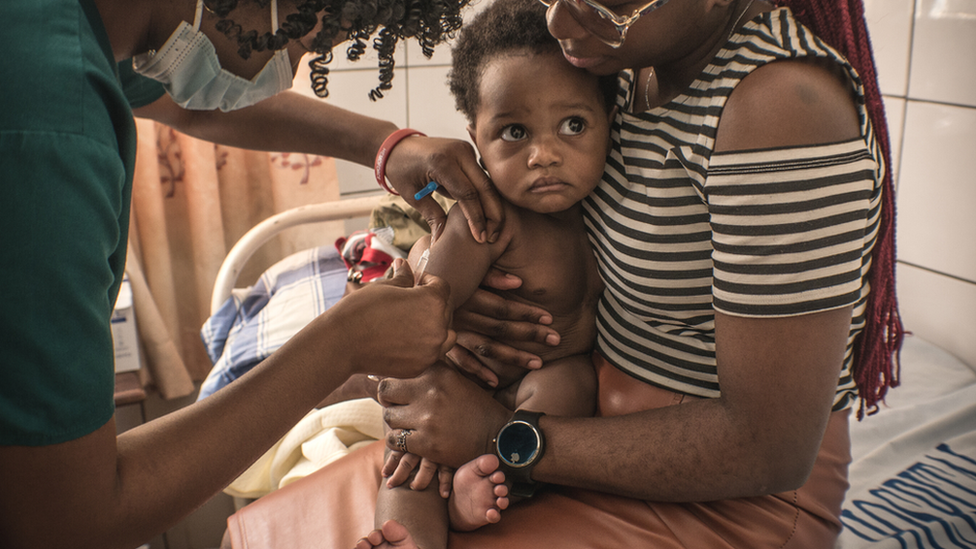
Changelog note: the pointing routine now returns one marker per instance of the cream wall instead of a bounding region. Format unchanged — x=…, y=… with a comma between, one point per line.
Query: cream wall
x=926, y=59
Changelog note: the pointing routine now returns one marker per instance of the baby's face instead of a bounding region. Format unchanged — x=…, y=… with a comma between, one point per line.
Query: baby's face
x=542, y=130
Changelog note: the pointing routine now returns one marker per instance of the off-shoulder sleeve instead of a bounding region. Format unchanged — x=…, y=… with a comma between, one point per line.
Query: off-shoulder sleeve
x=792, y=228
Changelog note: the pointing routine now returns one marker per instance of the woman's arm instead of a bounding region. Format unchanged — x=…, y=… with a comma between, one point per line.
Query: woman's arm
x=293, y=122
x=761, y=436
x=104, y=491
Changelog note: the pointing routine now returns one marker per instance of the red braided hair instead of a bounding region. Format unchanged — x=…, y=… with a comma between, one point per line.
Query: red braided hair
x=840, y=23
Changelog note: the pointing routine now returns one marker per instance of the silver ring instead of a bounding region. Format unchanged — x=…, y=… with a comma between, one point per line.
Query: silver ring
x=401, y=440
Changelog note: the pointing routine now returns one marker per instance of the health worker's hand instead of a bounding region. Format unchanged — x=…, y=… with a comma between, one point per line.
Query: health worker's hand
x=418, y=160
x=392, y=327
x=452, y=420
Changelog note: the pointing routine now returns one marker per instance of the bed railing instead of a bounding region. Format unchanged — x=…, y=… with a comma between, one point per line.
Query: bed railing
x=230, y=269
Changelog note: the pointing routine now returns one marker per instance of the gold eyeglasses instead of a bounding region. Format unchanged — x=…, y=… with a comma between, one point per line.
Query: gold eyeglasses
x=600, y=21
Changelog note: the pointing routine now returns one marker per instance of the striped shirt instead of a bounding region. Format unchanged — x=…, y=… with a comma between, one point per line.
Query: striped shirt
x=681, y=231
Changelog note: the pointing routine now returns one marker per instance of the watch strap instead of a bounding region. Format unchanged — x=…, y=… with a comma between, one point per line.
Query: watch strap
x=524, y=489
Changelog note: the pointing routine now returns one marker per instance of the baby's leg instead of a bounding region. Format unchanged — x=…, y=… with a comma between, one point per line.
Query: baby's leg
x=479, y=494
x=408, y=518
x=564, y=387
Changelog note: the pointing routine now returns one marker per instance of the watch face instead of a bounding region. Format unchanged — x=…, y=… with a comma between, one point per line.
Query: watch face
x=518, y=444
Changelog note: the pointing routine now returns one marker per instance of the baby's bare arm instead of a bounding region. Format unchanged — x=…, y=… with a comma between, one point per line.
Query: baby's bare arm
x=459, y=259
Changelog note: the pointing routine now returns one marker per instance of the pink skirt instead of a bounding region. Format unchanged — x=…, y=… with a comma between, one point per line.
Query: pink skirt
x=334, y=507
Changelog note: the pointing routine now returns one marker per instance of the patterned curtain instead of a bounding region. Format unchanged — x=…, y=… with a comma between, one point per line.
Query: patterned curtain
x=191, y=201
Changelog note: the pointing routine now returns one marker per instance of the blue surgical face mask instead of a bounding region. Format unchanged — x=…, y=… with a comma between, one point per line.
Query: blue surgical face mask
x=190, y=71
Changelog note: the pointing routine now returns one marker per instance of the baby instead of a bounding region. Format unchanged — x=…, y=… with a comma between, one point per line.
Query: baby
x=542, y=129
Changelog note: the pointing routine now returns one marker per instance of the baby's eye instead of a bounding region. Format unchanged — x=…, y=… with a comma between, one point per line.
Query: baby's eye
x=573, y=126
x=514, y=132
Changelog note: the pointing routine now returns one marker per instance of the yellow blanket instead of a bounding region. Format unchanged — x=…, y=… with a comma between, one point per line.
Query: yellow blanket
x=321, y=437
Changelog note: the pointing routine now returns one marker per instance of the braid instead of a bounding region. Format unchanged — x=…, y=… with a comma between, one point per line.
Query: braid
x=320, y=74
x=840, y=23
x=429, y=21
x=385, y=45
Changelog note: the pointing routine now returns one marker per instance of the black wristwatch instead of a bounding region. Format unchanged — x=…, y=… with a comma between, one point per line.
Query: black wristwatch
x=519, y=446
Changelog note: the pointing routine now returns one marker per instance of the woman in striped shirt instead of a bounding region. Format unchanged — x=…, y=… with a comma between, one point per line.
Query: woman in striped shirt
x=734, y=230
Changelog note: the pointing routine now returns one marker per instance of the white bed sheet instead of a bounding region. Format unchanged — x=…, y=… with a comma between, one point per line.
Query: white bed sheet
x=913, y=475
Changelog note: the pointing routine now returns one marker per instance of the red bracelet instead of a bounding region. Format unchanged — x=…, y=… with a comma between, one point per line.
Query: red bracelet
x=379, y=166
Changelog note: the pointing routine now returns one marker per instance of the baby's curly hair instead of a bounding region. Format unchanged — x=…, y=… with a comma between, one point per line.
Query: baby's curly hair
x=505, y=26
x=429, y=21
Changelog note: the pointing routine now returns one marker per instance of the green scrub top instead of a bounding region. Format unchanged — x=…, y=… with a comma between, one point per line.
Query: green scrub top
x=67, y=155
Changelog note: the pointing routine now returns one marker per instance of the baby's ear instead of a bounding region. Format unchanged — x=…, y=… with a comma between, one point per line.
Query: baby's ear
x=611, y=116
x=472, y=133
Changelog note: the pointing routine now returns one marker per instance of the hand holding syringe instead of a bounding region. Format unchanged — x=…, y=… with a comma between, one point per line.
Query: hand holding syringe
x=421, y=267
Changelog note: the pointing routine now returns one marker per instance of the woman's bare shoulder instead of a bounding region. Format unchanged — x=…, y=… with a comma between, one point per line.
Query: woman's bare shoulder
x=789, y=103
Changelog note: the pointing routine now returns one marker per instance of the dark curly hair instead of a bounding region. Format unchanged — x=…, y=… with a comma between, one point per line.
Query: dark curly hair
x=429, y=21
x=503, y=27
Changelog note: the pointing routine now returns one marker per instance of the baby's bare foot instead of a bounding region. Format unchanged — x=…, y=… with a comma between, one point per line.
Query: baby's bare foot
x=392, y=534
x=479, y=495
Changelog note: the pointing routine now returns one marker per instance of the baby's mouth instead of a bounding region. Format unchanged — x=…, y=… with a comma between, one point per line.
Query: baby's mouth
x=546, y=184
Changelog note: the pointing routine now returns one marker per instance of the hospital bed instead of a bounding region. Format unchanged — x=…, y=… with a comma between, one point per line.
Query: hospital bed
x=913, y=474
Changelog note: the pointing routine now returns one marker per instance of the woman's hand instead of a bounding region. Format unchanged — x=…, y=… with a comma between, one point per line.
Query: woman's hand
x=451, y=419
x=393, y=328
x=416, y=161
x=486, y=318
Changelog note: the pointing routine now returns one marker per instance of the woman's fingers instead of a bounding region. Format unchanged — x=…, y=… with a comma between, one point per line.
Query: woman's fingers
x=500, y=280
x=443, y=291
x=485, y=202
x=425, y=473
x=497, y=328
x=493, y=315
x=392, y=462
x=408, y=462
x=445, y=480
x=471, y=345
x=467, y=362
x=433, y=214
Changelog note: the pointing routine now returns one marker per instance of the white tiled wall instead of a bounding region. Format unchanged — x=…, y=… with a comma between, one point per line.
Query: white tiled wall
x=925, y=52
